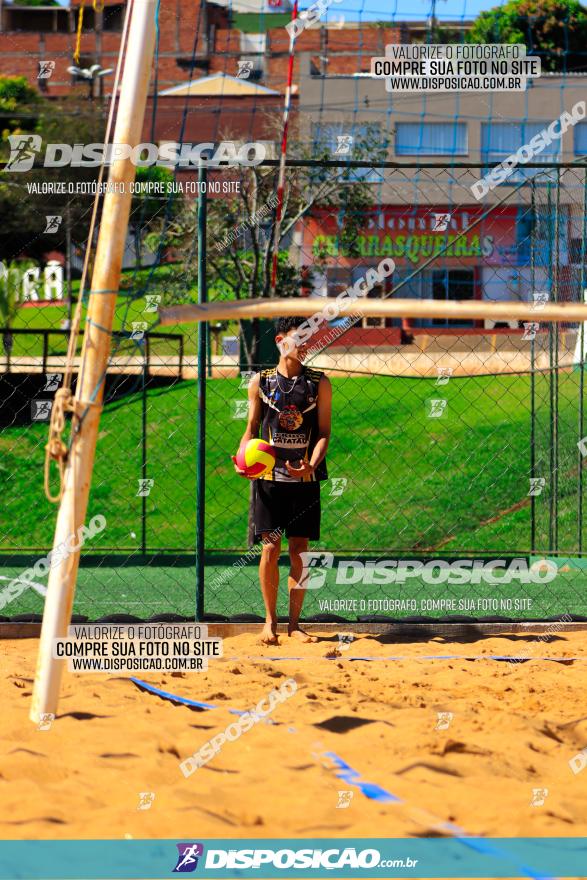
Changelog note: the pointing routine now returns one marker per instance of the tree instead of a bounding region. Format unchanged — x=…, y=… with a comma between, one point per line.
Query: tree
x=10, y=284
x=556, y=30
x=241, y=228
x=23, y=209
x=151, y=206
x=17, y=99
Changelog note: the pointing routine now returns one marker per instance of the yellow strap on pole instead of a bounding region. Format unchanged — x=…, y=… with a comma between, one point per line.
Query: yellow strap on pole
x=78, y=38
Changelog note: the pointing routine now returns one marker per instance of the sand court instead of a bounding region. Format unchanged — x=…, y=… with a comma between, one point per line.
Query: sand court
x=401, y=738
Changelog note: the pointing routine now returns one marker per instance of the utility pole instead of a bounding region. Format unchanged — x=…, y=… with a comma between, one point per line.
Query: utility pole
x=95, y=354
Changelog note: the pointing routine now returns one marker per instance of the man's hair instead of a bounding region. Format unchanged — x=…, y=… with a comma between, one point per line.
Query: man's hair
x=284, y=325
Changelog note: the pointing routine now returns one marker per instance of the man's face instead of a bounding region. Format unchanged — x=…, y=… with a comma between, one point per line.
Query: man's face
x=289, y=347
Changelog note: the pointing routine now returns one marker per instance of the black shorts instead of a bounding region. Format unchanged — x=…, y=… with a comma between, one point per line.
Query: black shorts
x=293, y=508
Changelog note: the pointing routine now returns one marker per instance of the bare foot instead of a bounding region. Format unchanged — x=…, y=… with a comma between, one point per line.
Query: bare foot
x=300, y=635
x=269, y=634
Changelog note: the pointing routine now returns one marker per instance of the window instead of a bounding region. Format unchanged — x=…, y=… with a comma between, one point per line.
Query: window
x=578, y=251
x=581, y=139
x=349, y=142
x=448, y=284
x=251, y=63
x=441, y=284
x=502, y=139
x=253, y=44
x=338, y=279
x=431, y=139
x=113, y=17
x=251, y=67
x=41, y=20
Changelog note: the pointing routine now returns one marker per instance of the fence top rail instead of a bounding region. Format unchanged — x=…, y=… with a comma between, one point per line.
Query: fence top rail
x=364, y=163
x=57, y=331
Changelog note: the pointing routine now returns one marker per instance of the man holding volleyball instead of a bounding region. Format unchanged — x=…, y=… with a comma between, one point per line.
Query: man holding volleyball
x=291, y=406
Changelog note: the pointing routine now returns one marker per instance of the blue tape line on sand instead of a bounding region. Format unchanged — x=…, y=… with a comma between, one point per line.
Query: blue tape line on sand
x=352, y=777
x=376, y=793
x=424, y=657
x=184, y=701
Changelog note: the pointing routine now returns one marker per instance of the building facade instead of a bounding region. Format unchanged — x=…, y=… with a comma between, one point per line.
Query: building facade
x=522, y=237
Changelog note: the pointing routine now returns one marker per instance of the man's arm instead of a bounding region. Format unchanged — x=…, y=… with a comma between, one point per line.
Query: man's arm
x=254, y=418
x=324, y=407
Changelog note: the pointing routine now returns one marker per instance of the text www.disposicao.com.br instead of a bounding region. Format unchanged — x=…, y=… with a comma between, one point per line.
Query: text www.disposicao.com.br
x=135, y=664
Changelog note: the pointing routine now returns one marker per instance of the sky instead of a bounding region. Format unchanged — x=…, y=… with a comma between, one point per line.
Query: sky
x=408, y=10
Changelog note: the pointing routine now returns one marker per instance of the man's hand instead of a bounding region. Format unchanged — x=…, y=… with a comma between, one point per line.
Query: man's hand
x=238, y=470
x=254, y=420
x=304, y=469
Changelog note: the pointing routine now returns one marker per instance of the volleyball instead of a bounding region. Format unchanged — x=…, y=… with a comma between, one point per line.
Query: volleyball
x=256, y=459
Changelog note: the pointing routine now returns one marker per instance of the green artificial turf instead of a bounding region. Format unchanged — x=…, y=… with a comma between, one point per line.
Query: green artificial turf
x=130, y=307
x=411, y=485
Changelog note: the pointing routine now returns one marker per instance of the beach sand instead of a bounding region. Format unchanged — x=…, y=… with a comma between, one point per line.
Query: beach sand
x=514, y=728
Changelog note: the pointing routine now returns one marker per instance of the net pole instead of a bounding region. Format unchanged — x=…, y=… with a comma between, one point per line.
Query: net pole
x=94, y=359
x=261, y=307
x=201, y=422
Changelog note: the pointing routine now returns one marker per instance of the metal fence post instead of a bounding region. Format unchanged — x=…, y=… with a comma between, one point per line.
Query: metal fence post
x=533, y=234
x=557, y=337
x=581, y=413
x=201, y=423
x=45, y=350
x=552, y=341
x=145, y=374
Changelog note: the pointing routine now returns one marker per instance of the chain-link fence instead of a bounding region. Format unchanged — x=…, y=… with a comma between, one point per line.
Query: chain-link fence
x=455, y=443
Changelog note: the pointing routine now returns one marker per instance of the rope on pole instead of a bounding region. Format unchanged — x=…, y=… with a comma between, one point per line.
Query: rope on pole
x=56, y=449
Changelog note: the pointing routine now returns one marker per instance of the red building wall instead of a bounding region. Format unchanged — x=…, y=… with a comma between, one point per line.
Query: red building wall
x=218, y=47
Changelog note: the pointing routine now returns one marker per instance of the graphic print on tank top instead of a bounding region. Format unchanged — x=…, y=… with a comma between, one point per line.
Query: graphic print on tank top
x=289, y=420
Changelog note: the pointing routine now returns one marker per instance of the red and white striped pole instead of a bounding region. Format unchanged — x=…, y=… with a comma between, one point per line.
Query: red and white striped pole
x=281, y=176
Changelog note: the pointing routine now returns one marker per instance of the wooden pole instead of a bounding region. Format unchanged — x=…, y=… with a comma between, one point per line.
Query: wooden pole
x=374, y=308
x=95, y=353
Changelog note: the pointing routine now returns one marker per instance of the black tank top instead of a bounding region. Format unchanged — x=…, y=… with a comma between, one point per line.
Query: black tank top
x=289, y=420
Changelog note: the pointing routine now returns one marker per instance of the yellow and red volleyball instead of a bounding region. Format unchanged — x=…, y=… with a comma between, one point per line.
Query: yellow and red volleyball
x=256, y=459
